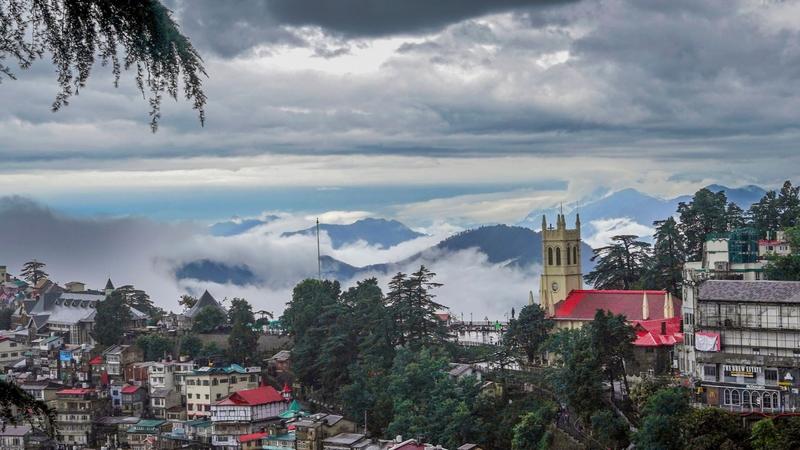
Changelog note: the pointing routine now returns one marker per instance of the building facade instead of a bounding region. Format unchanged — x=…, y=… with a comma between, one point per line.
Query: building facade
x=747, y=344
x=561, y=261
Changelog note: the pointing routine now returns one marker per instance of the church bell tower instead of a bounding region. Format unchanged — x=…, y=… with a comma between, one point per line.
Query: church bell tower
x=561, y=262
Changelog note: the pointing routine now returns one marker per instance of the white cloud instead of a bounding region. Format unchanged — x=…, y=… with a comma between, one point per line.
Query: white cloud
x=605, y=229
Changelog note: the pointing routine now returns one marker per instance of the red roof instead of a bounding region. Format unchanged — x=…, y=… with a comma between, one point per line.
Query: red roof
x=74, y=391
x=96, y=361
x=252, y=437
x=286, y=388
x=649, y=332
x=258, y=396
x=130, y=389
x=583, y=304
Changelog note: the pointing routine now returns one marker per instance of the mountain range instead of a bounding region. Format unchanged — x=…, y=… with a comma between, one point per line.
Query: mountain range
x=382, y=233
x=637, y=206
x=511, y=246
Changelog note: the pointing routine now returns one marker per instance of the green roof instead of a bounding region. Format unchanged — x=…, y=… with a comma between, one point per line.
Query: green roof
x=294, y=410
x=146, y=426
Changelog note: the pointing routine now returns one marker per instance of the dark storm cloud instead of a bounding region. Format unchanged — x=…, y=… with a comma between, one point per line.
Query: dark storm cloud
x=228, y=31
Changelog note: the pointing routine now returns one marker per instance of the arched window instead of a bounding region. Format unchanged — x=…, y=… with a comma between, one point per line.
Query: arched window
x=746, y=398
x=569, y=260
x=549, y=256
x=726, y=397
x=767, y=402
x=558, y=256
x=575, y=255
x=735, y=399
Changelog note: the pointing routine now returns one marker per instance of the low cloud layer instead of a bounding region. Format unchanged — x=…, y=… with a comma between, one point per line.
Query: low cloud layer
x=146, y=253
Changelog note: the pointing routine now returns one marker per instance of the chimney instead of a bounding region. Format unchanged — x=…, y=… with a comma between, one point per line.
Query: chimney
x=669, y=308
x=530, y=298
x=645, y=307
x=664, y=328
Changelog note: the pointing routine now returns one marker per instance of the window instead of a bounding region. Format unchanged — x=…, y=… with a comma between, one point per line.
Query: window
x=549, y=256
x=558, y=256
x=233, y=380
x=218, y=396
x=190, y=406
x=205, y=382
x=575, y=255
x=771, y=376
x=756, y=350
x=569, y=258
x=710, y=371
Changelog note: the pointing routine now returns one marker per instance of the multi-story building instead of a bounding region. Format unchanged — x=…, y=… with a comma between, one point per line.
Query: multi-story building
x=163, y=400
x=11, y=350
x=134, y=399
x=244, y=412
x=747, y=344
x=183, y=368
x=209, y=384
x=561, y=254
x=144, y=435
x=726, y=256
x=312, y=430
x=45, y=390
x=117, y=357
x=162, y=375
x=76, y=413
x=24, y=437
x=777, y=246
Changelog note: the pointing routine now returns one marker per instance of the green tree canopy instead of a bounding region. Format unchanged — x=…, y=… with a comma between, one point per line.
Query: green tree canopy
x=154, y=347
x=242, y=343
x=528, y=333
x=621, y=264
x=191, y=346
x=73, y=34
x=669, y=254
x=705, y=213
x=208, y=319
x=612, y=340
x=610, y=430
x=33, y=271
x=664, y=415
x=110, y=319
x=532, y=431
x=412, y=305
x=240, y=311
x=187, y=301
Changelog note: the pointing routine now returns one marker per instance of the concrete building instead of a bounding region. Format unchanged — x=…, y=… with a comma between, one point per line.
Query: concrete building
x=117, y=357
x=209, y=384
x=747, y=344
x=777, y=246
x=24, y=437
x=162, y=400
x=77, y=410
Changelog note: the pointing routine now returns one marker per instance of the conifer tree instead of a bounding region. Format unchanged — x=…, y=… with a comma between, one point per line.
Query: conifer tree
x=33, y=272
x=621, y=264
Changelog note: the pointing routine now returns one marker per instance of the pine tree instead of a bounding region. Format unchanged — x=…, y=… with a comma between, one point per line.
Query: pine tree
x=669, y=255
x=33, y=272
x=788, y=204
x=414, y=310
x=619, y=265
x=705, y=213
x=110, y=320
x=765, y=214
x=528, y=333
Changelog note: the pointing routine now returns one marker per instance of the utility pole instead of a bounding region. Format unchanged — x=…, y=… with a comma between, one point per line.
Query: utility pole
x=319, y=258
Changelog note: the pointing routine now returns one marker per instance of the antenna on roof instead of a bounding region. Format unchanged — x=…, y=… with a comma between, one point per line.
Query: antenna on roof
x=319, y=258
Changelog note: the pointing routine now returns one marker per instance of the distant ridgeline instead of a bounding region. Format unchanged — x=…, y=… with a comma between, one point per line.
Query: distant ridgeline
x=512, y=246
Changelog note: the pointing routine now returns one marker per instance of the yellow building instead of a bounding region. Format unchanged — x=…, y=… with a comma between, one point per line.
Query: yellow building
x=209, y=384
x=561, y=262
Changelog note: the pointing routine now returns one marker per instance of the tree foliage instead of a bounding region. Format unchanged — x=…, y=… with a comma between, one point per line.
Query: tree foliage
x=208, y=320
x=190, y=346
x=533, y=430
x=6, y=321
x=610, y=430
x=137, y=299
x=17, y=407
x=664, y=415
x=577, y=379
x=110, y=319
x=621, y=264
x=154, y=347
x=669, y=254
x=528, y=333
x=75, y=33
x=413, y=309
x=705, y=213
x=33, y=271
x=187, y=301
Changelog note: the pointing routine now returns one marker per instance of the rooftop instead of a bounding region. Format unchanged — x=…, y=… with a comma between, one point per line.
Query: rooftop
x=258, y=396
x=344, y=438
x=582, y=304
x=750, y=291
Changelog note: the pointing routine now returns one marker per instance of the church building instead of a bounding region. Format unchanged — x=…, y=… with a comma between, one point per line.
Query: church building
x=655, y=315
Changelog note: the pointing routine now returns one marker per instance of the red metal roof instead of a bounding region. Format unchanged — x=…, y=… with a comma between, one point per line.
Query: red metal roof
x=583, y=304
x=74, y=391
x=258, y=396
x=649, y=332
x=96, y=361
x=130, y=389
x=252, y=437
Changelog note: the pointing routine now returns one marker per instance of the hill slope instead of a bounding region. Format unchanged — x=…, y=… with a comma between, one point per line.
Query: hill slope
x=379, y=232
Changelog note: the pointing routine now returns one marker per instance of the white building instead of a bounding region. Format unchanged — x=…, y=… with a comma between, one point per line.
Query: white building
x=244, y=412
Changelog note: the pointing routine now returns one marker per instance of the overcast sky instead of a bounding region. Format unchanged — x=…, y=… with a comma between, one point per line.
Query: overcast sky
x=467, y=108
